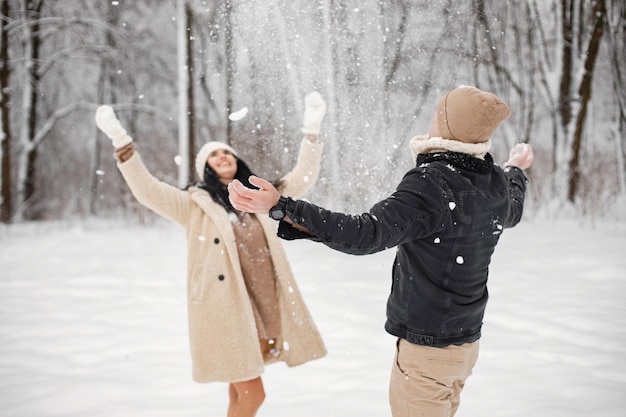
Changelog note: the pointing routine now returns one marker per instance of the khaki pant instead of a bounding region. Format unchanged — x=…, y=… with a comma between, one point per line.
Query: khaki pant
x=427, y=381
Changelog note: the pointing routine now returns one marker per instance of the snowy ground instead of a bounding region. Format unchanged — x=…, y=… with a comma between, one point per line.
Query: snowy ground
x=92, y=324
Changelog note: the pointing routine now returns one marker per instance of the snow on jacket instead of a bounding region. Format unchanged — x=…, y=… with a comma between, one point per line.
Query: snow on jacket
x=222, y=331
x=445, y=218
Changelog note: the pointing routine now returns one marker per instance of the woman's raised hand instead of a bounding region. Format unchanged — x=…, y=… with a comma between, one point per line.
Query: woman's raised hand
x=314, y=112
x=108, y=123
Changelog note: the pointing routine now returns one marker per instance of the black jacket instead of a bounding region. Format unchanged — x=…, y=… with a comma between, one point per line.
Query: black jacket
x=445, y=218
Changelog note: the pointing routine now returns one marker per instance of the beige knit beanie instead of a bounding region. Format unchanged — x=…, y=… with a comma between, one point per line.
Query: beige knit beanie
x=470, y=115
x=204, y=153
x=466, y=119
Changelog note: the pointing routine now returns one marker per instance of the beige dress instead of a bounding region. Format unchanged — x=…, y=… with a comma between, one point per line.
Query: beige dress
x=258, y=274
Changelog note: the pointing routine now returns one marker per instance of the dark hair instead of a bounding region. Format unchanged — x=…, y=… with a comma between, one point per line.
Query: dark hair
x=217, y=190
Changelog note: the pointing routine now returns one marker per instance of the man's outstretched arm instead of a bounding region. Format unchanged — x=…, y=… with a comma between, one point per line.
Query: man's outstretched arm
x=258, y=201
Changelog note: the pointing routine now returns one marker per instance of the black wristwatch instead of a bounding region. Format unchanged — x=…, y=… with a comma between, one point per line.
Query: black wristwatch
x=278, y=211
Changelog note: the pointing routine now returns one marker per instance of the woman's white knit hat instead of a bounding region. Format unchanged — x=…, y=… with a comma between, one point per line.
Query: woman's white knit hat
x=204, y=153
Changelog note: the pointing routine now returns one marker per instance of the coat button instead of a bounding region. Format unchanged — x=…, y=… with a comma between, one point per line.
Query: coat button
x=216, y=240
x=221, y=277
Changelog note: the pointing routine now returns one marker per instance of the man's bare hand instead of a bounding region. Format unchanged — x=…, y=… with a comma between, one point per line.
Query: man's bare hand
x=521, y=156
x=253, y=201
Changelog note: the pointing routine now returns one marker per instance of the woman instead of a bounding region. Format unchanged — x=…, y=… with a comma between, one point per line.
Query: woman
x=244, y=307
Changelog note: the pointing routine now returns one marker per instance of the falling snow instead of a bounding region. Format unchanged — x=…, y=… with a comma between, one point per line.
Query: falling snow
x=238, y=115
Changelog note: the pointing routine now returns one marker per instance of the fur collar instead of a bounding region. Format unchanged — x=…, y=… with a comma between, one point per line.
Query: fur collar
x=424, y=144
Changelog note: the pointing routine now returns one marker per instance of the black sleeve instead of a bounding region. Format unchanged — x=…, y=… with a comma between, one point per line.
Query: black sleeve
x=287, y=232
x=517, y=191
x=414, y=210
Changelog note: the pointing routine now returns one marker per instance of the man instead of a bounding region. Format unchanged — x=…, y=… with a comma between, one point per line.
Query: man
x=445, y=217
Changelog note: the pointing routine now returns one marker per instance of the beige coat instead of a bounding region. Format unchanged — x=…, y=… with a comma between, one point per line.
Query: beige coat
x=222, y=331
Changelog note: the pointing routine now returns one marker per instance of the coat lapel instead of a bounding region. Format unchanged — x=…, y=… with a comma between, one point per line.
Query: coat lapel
x=220, y=219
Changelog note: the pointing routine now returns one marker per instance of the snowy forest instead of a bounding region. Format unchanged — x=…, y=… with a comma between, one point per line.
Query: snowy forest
x=93, y=287
x=174, y=71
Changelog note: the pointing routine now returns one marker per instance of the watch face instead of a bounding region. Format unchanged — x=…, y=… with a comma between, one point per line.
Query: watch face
x=277, y=214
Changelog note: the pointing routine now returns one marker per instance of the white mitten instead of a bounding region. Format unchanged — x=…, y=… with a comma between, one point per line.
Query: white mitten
x=314, y=112
x=108, y=123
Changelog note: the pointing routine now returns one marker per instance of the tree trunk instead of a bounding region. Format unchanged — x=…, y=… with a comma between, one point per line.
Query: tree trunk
x=615, y=24
x=6, y=205
x=191, y=115
x=598, y=14
x=106, y=94
x=620, y=152
x=566, y=65
x=332, y=146
x=230, y=65
x=483, y=30
x=185, y=94
x=26, y=169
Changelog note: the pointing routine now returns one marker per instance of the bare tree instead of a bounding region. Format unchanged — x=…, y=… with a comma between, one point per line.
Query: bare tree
x=32, y=42
x=590, y=54
x=34, y=29
x=185, y=93
x=380, y=65
x=106, y=94
x=615, y=25
x=330, y=84
x=229, y=64
x=580, y=31
x=5, y=131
